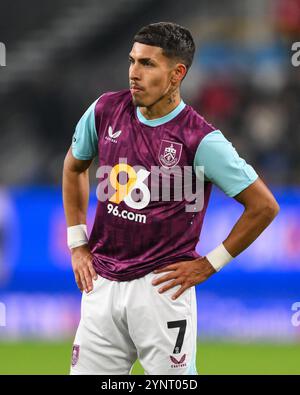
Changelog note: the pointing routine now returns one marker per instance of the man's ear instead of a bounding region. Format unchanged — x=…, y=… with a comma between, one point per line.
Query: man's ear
x=179, y=73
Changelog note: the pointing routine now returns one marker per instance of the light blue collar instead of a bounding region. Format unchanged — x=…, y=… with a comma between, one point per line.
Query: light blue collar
x=162, y=120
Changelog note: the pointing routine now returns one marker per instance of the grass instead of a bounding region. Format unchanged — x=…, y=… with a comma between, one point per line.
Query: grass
x=212, y=358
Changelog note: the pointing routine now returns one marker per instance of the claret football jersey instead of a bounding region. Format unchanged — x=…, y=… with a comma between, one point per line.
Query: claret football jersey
x=154, y=182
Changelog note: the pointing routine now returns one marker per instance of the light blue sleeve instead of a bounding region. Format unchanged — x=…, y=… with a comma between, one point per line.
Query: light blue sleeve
x=222, y=165
x=85, y=139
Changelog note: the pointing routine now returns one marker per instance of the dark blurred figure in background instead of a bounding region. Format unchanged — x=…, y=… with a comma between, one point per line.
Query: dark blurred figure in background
x=243, y=72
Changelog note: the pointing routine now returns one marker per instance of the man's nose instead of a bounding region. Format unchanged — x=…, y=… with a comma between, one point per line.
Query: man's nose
x=134, y=72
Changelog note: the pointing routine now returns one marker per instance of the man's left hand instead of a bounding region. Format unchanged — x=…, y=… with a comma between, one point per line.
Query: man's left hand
x=185, y=273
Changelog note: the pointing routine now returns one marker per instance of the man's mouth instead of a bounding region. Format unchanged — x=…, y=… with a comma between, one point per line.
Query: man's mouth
x=136, y=88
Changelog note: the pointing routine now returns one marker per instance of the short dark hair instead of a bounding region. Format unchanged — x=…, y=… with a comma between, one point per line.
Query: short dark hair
x=175, y=40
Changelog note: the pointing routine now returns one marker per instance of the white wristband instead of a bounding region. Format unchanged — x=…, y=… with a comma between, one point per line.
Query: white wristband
x=77, y=235
x=219, y=257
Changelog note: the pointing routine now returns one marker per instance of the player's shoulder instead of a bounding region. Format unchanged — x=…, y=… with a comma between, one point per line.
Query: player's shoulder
x=109, y=100
x=111, y=103
x=197, y=122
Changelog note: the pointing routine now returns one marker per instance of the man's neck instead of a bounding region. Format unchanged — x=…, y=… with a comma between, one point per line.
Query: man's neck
x=162, y=107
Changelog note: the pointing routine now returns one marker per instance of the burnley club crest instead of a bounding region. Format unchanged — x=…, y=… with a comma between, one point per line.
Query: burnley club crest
x=169, y=153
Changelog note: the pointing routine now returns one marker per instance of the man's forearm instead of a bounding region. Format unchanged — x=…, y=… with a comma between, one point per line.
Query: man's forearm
x=249, y=226
x=75, y=196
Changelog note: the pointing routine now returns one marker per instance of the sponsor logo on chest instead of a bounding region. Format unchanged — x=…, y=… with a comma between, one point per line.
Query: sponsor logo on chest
x=112, y=136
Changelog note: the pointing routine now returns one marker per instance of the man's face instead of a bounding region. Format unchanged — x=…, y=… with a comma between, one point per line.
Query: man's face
x=150, y=74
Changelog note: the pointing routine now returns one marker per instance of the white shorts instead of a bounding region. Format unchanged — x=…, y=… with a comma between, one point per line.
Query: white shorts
x=123, y=321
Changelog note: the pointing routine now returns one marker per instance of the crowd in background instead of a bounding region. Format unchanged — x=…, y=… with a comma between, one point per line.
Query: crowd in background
x=242, y=81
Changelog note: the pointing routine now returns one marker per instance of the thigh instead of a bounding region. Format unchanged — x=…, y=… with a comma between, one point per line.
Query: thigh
x=102, y=344
x=164, y=330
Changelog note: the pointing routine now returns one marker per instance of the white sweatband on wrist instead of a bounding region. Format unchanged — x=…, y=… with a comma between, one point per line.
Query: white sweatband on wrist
x=219, y=257
x=77, y=235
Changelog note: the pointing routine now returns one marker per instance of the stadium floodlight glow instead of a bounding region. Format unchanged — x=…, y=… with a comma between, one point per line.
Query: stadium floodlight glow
x=296, y=56
x=2, y=54
x=2, y=314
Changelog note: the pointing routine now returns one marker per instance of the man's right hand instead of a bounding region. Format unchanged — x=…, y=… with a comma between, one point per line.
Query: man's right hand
x=83, y=268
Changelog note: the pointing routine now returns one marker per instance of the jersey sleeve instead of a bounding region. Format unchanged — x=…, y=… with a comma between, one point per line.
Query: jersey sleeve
x=85, y=139
x=222, y=165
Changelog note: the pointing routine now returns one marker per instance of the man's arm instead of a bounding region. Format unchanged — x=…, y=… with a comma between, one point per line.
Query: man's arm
x=75, y=199
x=223, y=167
x=75, y=189
x=76, y=195
x=260, y=210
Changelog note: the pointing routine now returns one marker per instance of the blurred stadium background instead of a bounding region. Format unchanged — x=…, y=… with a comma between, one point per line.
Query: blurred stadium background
x=63, y=54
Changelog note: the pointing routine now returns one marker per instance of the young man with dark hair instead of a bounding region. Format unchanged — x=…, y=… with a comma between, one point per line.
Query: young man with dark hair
x=145, y=132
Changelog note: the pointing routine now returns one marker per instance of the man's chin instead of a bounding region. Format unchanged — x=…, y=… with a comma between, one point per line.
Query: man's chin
x=137, y=102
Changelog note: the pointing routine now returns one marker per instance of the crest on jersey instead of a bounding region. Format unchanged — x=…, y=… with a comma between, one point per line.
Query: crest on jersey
x=169, y=153
x=75, y=354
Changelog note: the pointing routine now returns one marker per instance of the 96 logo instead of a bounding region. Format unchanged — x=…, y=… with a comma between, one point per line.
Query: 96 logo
x=135, y=181
x=130, y=184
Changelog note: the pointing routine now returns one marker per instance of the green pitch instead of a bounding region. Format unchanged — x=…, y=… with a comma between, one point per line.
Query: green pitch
x=212, y=358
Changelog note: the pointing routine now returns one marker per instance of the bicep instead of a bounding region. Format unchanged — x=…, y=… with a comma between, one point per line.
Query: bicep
x=255, y=195
x=75, y=165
